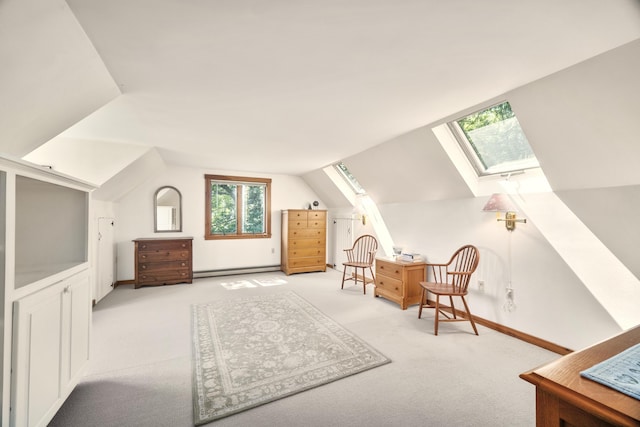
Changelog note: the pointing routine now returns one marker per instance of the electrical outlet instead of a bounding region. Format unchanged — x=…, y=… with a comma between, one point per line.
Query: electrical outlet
x=481, y=285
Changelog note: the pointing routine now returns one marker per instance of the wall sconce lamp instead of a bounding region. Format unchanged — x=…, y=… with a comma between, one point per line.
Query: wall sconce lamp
x=501, y=203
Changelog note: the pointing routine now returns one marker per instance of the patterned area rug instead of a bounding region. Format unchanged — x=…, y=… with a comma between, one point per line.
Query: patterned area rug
x=254, y=350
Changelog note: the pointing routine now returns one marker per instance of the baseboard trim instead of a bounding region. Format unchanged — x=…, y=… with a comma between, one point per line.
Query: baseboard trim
x=547, y=345
x=232, y=271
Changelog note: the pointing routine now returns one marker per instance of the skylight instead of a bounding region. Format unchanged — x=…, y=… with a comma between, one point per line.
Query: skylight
x=493, y=141
x=349, y=178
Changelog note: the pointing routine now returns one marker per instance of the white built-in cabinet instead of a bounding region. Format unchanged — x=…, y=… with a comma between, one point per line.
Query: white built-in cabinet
x=45, y=290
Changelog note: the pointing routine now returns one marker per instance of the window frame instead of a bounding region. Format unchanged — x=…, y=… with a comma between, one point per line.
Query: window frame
x=346, y=174
x=473, y=156
x=240, y=181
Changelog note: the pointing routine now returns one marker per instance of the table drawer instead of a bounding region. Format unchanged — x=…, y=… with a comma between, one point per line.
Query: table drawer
x=388, y=269
x=389, y=284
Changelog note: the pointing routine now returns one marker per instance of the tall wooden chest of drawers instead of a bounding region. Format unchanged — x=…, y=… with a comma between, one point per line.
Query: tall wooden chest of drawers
x=160, y=261
x=304, y=241
x=400, y=281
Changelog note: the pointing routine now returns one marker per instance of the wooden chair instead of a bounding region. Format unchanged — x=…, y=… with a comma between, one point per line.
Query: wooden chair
x=360, y=256
x=452, y=280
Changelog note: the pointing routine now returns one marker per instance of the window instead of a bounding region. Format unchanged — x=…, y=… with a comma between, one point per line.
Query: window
x=493, y=141
x=349, y=178
x=237, y=207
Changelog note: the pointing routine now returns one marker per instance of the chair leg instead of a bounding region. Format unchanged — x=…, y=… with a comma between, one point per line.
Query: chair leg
x=435, y=328
x=473, y=324
x=364, y=282
x=422, y=302
x=344, y=272
x=453, y=308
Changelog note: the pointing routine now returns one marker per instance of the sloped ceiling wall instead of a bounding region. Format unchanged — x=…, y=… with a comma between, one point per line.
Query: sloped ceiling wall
x=51, y=74
x=582, y=121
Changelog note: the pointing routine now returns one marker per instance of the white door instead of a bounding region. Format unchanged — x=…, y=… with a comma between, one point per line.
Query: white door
x=342, y=238
x=106, y=257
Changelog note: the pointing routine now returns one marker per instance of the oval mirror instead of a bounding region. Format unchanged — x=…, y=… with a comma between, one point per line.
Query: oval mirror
x=167, y=204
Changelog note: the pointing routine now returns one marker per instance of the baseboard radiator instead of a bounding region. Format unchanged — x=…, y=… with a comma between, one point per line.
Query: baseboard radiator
x=232, y=271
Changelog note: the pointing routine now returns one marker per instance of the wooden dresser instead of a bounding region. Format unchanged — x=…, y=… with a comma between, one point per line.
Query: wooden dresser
x=400, y=281
x=304, y=241
x=160, y=261
x=564, y=398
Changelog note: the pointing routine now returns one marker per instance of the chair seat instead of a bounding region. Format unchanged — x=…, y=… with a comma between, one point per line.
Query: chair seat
x=441, y=289
x=356, y=264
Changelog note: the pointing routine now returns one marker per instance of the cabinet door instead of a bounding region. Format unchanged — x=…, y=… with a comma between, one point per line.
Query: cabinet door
x=51, y=348
x=36, y=357
x=76, y=300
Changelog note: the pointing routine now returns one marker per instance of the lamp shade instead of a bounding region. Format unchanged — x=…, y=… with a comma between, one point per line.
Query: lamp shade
x=499, y=202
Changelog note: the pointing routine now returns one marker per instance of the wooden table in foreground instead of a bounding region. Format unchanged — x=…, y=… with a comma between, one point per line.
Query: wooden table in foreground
x=564, y=398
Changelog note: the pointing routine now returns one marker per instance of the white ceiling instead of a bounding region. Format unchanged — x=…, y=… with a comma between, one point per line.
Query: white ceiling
x=289, y=86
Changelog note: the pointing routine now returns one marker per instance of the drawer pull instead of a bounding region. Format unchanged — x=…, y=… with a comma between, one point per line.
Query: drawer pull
x=143, y=267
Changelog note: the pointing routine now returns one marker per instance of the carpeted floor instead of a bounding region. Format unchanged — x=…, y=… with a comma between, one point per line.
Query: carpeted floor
x=140, y=370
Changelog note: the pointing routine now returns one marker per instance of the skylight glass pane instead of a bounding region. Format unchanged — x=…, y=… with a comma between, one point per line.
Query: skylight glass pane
x=494, y=141
x=348, y=176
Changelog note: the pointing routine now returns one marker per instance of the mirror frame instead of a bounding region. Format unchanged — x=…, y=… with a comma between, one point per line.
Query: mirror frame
x=155, y=210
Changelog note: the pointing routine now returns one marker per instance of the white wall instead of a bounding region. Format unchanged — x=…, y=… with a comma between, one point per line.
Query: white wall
x=135, y=219
x=551, y=302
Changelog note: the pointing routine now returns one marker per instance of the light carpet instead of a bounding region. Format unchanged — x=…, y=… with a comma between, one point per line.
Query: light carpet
x=254, y=350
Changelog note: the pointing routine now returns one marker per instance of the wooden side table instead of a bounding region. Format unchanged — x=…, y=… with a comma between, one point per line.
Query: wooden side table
x=399, y=281
x=564, y=398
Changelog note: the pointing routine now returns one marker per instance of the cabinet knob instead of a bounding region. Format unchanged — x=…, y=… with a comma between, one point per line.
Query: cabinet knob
x=143, y=266
x=67, y=289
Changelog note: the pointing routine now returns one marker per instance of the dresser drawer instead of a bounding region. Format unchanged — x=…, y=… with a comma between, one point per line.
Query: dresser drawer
x=306, y=262
x=152, y=246
x=306, y=252
x=317, y=224
x=388, y=269
x=145, y=267
x=164, y=277
x=390, y=285
x=306, y=244
x=306, y=233
x=317, y=216
x=166, y=255
x=298, y=215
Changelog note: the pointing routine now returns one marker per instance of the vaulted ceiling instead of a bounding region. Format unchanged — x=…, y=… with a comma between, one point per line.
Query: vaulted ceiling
x=290, y=86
